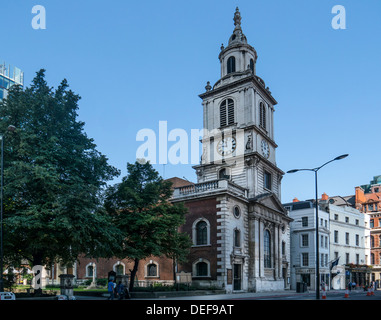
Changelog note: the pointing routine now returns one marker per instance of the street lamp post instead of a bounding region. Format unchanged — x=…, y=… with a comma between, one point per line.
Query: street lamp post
x=317, y=218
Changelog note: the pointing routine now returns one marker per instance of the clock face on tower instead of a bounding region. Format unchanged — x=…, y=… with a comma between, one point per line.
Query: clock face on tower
x=265, y=149
x=226, y=146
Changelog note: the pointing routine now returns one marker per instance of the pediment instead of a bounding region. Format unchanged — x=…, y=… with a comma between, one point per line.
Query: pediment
x=270, y=201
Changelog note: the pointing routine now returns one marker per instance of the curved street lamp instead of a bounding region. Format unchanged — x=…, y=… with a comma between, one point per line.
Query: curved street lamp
x=317, y=217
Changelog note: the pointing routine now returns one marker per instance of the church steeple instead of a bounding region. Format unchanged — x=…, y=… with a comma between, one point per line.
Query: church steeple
x=238, y=56
x=237, y=36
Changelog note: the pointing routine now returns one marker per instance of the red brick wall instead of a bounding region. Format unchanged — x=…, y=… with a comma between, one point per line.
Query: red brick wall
x=202, y=208
x=104, y=266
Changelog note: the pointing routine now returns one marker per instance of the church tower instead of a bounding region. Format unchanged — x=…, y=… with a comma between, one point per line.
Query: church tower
x=238, y=112
x=239, y=228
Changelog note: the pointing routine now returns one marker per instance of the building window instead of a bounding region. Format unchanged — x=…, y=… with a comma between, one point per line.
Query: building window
x=252, y=65
x=357, y=222
x=283, y=248
x=201, y=268
x=227, y=112
x=371, y=241
x=267, y=250
x=267, y=180
x=237, y=238
x=201, y=233
x=262, y=115
x=346, y=220
x=305, y=240
x=336, y=236
x=346, y=238
x=236, y=211
x=346, y=258
x=119, y=269
x=371, y=223
x=152, y=270
x=90, y=270
x=231, y=64
x=357, y=258
x=336, y=217
x=357, y=240
x=304, y=221
x=305, y=259
x=223, y=174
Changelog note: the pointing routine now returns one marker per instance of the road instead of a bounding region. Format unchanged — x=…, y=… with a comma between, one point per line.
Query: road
x=331, y=295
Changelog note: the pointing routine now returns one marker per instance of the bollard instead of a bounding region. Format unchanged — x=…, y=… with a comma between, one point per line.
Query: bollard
x=324, y=294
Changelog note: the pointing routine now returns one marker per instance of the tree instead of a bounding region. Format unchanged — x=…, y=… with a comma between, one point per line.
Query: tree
x=141, y=210
x=53, y=178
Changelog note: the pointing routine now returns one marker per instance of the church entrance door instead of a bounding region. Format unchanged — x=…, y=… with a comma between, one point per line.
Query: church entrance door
x=237, y=277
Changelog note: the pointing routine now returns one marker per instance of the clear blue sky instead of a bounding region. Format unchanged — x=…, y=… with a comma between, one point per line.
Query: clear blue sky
x=135, y=63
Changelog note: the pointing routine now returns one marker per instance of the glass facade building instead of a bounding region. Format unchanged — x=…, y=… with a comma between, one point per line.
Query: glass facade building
x=9, y=76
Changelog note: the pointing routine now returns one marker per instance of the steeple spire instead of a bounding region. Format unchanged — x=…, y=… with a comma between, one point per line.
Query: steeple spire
x=237, y=36
x=237, y=19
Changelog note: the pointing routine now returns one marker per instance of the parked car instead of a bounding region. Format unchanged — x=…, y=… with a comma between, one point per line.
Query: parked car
x=7, y=296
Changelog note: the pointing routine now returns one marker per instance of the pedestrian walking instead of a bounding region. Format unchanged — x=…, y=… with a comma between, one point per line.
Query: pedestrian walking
x=111, y=290
x=350, y=286
x=120, y=290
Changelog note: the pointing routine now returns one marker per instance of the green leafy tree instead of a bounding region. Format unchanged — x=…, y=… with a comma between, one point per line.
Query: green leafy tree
x=53, y=177
x=142, y=211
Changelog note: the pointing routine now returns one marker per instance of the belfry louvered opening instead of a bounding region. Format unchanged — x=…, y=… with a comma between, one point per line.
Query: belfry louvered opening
x=227, y=112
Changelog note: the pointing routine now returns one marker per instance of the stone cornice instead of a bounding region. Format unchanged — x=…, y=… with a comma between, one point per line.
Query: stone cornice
x=250, y=78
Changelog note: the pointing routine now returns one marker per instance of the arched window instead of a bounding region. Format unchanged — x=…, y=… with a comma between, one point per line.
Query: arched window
x=262, y=115
x=201, y=233
x=119, y=269
x=252, y=65
x=90, y=270
x=237, y=238
x=223, y=174
x=227, y=112
x=201, y=269
x=267, y=250
x=152, y=270
x=231, y=64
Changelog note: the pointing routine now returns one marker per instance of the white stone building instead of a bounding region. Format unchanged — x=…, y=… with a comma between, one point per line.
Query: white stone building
x=303, y=244
x=350, y=243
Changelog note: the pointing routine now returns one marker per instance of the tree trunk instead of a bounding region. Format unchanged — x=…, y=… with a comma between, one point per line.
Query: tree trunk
x=133, y=274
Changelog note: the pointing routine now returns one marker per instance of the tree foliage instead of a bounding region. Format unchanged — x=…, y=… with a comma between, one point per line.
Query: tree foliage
x=53, y=178
x=141, y=209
